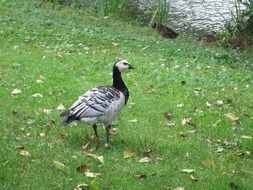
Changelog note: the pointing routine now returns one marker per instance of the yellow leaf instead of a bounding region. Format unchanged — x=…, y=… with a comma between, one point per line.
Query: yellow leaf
x=58, y=165
x=24, y=153
x=208, y=163
x=232, y=117
x=128, y=154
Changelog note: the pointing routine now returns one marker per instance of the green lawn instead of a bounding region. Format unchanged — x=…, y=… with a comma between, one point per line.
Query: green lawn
x=61, y=52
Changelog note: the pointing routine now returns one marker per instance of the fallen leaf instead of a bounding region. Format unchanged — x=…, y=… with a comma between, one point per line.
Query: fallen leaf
x=167, y=115
x=183, y=135
x=47, y=111
x=141, y=176
x=85, y=147
x=159, y=158
x=246, y=137
x=99, y=158
x=58, y=55
x=83, y=168
x=186, y=121
x=81, y=186
x=128, y=154
x=179, y=188
x=247, y=153
x=188, y=171
x=180, y=105
x=133, y=120
x=208, y=163
x=24, y=153
x=193, y=178
x=58, y=165
x=51, y=123
x=233, y=186
x=114, y=131
x=60, y=107
x=232, y=117
x=148, y=153
x=144, y=160
x=220, y=149
x=39, y=81
x=171, y=124
x=37, y=95
x=208, y=104
x=219, y=103
x=92, y=175
x=149, y=90
x=16, y=92
x=115, y=44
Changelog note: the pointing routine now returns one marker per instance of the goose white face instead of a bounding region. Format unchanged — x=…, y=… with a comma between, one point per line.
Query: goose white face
x=123, y=65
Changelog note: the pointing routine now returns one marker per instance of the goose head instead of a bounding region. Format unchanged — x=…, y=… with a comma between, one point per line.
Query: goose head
x=122, y=65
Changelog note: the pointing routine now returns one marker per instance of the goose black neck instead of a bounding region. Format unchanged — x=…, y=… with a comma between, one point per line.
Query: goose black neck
x=119, y=84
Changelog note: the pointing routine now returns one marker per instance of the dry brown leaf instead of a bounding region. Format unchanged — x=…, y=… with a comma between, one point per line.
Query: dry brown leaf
x=141, y=176
x=148, y=153
x=83, y=168
x=99, y=158
x=233, y=186
x=128, y=154
x=114, y=131
x=167, y=115
x=144, y=160
x=85, y=147
x=24, y=153
x=58, y=55
x=208, y=163
x=149, y=90
x=186, y=121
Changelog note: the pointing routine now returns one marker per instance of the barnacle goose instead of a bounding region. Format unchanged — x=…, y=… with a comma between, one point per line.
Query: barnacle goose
x=101, y=104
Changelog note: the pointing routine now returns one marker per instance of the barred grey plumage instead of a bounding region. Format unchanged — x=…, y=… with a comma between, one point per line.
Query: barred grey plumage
x=101, y=104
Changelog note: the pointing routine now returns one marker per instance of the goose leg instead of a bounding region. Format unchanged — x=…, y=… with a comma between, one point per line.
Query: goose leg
x=107, y=128
x=95, y=130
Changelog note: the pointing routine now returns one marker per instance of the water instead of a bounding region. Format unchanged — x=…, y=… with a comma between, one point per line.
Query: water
x=199, y=16
x=192, y=17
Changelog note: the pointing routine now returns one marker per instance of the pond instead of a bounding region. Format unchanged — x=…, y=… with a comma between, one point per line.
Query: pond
x=194, y=17
x=199, y=16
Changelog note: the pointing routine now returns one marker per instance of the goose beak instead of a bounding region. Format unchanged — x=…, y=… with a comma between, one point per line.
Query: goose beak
x=130, y=66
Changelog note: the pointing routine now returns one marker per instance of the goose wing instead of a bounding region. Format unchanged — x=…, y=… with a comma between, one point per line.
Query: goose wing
x=93, y=103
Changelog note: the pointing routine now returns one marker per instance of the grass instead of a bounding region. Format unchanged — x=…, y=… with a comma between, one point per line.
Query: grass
x=71, y=51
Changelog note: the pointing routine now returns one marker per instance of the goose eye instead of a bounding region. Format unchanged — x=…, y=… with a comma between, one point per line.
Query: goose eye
x=124, y=63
